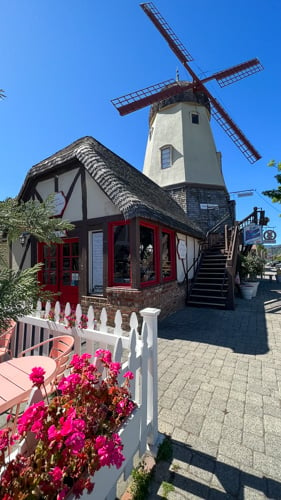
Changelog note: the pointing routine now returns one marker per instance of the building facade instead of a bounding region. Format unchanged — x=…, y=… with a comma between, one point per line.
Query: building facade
x=132, y=245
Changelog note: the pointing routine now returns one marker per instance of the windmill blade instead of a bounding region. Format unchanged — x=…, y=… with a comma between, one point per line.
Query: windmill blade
x=141, y=98
x=232, y=130
x=166, y=31
x=236, y=73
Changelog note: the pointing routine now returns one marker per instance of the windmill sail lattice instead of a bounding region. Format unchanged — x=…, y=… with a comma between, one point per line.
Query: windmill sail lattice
x=149, y=95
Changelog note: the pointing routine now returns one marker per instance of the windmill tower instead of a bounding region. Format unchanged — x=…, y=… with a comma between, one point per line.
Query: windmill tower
x=181, y=155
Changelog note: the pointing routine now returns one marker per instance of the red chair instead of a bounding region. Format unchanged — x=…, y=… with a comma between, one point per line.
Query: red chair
x=61, y=348
x=5, y=340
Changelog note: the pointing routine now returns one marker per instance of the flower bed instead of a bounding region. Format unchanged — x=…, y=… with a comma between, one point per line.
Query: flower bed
x=76, y=433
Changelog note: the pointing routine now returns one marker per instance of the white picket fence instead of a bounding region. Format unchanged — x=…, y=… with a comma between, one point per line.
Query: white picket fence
x=137, y=352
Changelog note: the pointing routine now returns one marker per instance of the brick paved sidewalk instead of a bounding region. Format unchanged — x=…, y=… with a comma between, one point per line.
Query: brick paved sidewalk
x=219, y=400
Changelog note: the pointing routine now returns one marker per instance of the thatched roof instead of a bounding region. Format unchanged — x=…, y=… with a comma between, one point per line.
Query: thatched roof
x=134, y=194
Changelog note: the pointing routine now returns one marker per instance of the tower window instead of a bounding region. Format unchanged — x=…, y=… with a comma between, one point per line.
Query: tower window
x=166, y=157
x=195, y=118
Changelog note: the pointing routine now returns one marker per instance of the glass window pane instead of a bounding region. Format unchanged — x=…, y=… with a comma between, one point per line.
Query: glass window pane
x=166, y=255
x=66, y=263
x=53, y=264
x=166, y=157
x=45, y=251
x=195, y=118
x=53, y=278
x=53, y=251
x=147, y=254
x=122, y=258
x=75, y=248
x=66, y=279
x=75, y=264
x=66, y=249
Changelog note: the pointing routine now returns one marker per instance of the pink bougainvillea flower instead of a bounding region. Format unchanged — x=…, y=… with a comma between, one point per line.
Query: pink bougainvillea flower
x=76, y=442
x=56, y=474
x=37, y=376
x=129, y=375
x=36, y=412
x=4, y=438
x=104, y=355
x=115, y=368
x=68, y=384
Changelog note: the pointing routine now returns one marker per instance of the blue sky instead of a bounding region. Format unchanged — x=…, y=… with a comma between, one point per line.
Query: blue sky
x=62, y=62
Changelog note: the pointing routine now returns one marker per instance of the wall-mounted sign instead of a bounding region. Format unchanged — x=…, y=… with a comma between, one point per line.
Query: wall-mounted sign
x=181, y=249
x=252, y=234
x=208, y=206
x=59, y=204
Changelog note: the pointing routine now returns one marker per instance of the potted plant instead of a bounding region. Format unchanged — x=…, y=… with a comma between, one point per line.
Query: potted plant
x=251, y=266
x=76, y=433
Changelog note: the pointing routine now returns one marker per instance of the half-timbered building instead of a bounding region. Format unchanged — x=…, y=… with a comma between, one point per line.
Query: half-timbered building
x=132, y=244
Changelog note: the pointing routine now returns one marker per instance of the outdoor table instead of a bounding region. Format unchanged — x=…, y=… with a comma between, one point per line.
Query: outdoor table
x=15, y=384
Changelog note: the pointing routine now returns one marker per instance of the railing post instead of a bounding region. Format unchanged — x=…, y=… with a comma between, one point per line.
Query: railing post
x=226, y=238
x=150, y=318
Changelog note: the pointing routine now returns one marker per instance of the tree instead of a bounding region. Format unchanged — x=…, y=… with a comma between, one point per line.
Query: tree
x=35, y=219
x=275, y=194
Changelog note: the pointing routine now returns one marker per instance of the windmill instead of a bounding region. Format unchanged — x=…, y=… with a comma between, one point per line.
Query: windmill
x=202, y=165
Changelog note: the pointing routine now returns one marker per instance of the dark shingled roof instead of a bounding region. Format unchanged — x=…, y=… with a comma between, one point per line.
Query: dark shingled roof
x=132, y=192
x=190, y=95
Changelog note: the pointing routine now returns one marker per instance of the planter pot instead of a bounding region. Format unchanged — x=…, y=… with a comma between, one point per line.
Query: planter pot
x=246, y=291
x=255, y=285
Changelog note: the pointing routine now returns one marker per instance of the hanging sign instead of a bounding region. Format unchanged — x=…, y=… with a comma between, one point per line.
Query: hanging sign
x=59, y=204
x=252, y=234
x=181, y=249
x=269, y=237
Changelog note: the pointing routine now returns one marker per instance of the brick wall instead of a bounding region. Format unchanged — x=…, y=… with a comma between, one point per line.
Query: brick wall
x=169, y=297
x=190, y=198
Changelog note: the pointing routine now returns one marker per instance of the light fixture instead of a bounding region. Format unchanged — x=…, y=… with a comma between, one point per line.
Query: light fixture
x=22, y=238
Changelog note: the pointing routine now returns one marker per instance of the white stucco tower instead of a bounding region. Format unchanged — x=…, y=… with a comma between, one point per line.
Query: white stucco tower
x=181, y=157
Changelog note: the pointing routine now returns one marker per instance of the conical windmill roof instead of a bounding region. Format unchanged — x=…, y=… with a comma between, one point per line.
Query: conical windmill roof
x=189, y=95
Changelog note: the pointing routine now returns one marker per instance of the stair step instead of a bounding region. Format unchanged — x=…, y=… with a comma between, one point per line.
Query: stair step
x=217, y=297
x=219, y=289
x=208, y=266
x=209, y=279
x=205, y=304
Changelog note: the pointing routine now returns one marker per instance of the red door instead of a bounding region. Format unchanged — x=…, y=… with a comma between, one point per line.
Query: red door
x=60, y=272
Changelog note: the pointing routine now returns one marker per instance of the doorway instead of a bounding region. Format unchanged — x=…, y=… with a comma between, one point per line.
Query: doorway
x=60, y=271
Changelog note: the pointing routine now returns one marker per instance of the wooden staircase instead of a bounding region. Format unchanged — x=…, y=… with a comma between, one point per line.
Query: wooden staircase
x=210, y=286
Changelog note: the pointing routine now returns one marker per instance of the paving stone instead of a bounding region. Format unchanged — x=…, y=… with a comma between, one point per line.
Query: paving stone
x=207, y=387
x=254, y=442
x=273, y=446
x=238, y=452
x=268, y=465
x=251, y=409
x=272, y=424
x=253, y=424
x=231, y=435
x=193, y=423
x=218, y=403
x=233, y=421
x=228, y=477
x=254, y=398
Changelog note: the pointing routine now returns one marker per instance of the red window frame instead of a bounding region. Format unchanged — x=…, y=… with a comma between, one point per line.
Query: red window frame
x=144, y=284
x=111, y=226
